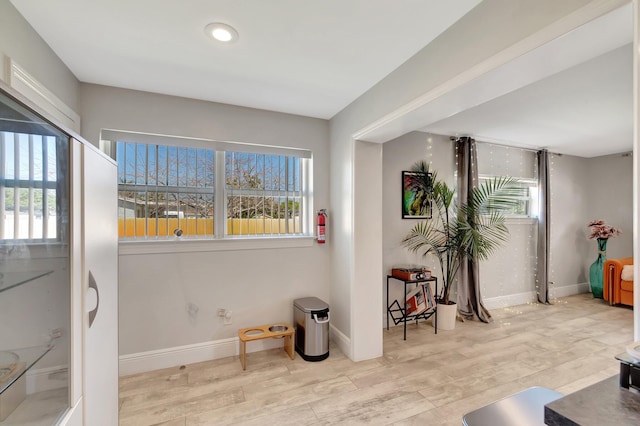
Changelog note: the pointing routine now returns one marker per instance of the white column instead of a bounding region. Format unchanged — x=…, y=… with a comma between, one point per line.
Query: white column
x=367, y=283
x=636, y=169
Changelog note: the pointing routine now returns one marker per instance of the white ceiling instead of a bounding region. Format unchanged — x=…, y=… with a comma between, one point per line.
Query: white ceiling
x=313, y=58
x=584, y=107
x=306, y=57
x=586, y=110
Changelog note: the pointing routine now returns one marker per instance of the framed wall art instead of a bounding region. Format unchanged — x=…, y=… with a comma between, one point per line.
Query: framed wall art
x=416, y=195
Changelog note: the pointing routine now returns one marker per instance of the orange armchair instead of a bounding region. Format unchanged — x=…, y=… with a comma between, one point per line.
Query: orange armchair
x=616, y=290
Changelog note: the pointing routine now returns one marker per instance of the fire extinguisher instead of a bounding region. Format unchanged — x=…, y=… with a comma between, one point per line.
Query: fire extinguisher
x=322, y=221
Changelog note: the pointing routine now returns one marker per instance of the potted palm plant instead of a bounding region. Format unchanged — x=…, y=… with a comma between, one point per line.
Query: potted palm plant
x=470, y=230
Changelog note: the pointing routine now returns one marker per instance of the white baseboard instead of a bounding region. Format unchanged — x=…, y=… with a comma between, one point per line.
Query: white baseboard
x=342, y=341
x=180, y=355
x=44, y=379
x=530, y=296
x=569, y=290
x=509, y=300
x=206, y=351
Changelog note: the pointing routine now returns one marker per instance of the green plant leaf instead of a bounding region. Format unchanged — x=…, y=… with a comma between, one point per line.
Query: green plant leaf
x=472, y=230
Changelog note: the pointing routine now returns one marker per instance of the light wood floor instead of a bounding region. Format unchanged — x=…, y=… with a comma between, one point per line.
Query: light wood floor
x=427, y=380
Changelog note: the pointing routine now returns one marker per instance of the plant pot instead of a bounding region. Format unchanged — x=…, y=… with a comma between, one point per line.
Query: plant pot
x=447, y=316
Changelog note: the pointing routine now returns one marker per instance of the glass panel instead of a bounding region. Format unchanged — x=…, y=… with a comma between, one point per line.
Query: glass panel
x=120, y=158
x=152, y=162
x=175, y=195
x=141, y=164
x=263, y=194
x=35, y=268
x=172, y=166
x=38, y=167
x=162, y=166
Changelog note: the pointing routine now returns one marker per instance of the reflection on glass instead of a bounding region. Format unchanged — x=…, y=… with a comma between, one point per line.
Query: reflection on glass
x=34, y=266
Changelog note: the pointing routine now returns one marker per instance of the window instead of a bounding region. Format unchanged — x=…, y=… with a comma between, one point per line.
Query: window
x=29, y=193
x=194, y=189
x=527, y=197
x=165, y=190
x=264, y=194
x=519, y=163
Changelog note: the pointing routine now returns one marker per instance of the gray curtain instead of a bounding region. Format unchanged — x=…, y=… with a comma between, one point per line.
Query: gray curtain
x=469, y=299
x=542, y=272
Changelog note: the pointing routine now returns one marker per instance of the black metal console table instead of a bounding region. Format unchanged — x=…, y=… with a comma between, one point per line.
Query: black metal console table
x=398, y=313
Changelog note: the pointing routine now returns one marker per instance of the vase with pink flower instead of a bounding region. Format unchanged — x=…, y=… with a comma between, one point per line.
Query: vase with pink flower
x=601, y=232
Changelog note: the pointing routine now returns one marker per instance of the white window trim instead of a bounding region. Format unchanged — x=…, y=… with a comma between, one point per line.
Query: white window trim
x=219, y=241
x=524, y=220
x=108, y=138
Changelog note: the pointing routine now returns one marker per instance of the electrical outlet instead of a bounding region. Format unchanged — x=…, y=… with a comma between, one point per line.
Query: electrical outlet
x=221, y=312
x=56, y=333
x=227, y=318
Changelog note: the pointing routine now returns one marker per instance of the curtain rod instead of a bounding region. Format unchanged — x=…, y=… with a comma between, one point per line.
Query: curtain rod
x=455, y=138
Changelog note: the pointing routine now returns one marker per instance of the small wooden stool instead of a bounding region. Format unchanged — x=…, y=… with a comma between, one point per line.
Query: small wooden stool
x=265, y=332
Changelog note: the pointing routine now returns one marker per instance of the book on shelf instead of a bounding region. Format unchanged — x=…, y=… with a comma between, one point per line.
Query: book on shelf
x=431, y=300
x=417, y=300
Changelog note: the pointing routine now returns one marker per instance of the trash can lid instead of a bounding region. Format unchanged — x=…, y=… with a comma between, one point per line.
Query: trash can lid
x=310, y=304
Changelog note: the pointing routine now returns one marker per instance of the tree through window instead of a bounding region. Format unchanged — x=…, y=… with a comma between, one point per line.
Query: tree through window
x=264, y=194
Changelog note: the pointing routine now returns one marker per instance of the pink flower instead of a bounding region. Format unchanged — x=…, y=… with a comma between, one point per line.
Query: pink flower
x=601, y=230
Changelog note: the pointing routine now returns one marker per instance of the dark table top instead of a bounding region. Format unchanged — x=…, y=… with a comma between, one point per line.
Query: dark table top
x=522, y=409
x=625, y=358
x=603, y=403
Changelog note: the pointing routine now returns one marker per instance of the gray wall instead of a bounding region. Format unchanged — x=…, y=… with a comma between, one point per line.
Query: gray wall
x=569, y=197
x=611, y=199
x=435, y=64
x=582, y=189
x=398, y=155
x=259, y=286
x=508, y=276
x=21, y=43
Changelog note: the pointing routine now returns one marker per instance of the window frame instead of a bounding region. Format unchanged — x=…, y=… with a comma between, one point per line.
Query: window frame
x=220, y=240
x=532, y=200
x=290, y=192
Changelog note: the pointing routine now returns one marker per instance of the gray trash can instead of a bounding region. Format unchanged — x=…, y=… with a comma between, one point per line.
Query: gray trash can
x=311, y=323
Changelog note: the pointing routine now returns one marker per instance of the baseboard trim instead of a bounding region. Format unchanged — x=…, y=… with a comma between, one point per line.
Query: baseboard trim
x=569, y=290
x=509, y=300
x=531, y=296
x=180, y=355
x=342, y=341
x=44, y=379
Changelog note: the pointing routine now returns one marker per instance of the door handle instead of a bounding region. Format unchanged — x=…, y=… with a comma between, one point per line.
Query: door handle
x=94, y=311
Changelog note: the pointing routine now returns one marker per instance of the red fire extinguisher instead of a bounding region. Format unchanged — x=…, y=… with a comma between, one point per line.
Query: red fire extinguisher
x=322, y=221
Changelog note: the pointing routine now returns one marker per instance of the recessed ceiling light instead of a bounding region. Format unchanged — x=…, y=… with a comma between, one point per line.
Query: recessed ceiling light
x=221, y=32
